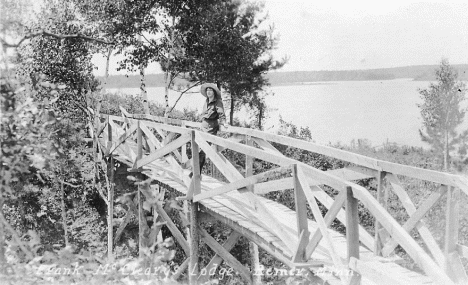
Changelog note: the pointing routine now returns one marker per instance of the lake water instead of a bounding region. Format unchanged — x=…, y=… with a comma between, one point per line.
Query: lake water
x=338, y=111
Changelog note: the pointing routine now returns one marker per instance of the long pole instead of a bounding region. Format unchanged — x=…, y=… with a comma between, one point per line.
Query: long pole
x=64, y=214
x=193, y=264
x=110, y=207
x=253, y=247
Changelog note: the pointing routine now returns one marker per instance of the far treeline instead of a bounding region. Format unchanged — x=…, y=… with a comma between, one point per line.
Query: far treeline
x=417, y=72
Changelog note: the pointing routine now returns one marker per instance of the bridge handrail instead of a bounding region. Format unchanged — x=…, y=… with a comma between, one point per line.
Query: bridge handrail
x=357, y=159
x=302, y=173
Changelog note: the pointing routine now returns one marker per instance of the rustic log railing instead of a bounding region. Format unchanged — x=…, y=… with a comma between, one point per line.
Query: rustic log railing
x=135, y=137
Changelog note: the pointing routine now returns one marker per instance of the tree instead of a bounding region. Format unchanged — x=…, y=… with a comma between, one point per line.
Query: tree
x=442, y=112
x=224, y=43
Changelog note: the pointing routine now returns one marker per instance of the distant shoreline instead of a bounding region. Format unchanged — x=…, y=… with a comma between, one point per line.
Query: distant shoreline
x=285, y=78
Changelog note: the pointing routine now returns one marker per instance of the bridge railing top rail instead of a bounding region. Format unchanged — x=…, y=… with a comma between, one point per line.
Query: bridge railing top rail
x=357, y=159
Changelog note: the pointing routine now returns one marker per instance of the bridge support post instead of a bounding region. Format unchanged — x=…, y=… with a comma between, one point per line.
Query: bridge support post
x=352, y=232
x=382, y=199
x=300, y=201
x=253, y=247
x=194, y=213
x=110, y=202
x=452, y=263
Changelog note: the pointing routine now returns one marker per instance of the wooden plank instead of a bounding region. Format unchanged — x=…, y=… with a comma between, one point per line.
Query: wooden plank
x=242, y=183
x=273, y=185
x=164, y=120
x=102, y=127
x=165, y=127
x=411, y=209
x=180, y=270
x=173, y=228
x=253, y=247
x=452, y=263
x=374, y=274
x=110, y=211
x=321, y=176
x=227, y=257
x=424, y=174
x=410, y=171
x=125, y=222
x=300, y=202
x=299, y=253
x=229, y=171
x=163, y=151
x=123, y=138
x=267, y=146
x=152, y=138
x=261, y=242
x=319, y=219
x=327, y=201
x=194, y=213
x=329, y=217
x=456, y=268
x=352, y=231
x=166, y=139
x=217, y=259
x=462, y=250
x=452, y=221
x=380, y=199
x=249, y=162
x=195, y=165
x=268, y=218
x=415, y=218
x=288, y=183
x=401, y=236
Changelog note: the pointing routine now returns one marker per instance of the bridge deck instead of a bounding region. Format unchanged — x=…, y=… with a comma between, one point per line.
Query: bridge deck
x=225, y=208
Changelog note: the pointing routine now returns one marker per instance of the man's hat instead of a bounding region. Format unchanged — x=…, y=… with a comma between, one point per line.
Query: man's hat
x=212, y=86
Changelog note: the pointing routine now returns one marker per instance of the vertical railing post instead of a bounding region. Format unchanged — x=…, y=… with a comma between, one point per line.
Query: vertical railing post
x=140, y=210
x=382, y=199
x=110, y=197
x=144, y=94
x=193, y=265
x=352, y=231
x=253, y=247
x=300, y=200
x=451, y=233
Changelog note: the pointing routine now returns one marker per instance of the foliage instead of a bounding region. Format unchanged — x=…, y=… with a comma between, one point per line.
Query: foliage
x=225, y=44
x=66, y=62
x=65, y=266
x=442, y=112
x=25, y=136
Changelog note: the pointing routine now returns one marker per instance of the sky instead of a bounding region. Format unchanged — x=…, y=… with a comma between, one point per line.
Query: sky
x=341, y=35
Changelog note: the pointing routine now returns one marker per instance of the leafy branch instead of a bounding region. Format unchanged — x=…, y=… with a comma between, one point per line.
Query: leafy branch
x=57, y=36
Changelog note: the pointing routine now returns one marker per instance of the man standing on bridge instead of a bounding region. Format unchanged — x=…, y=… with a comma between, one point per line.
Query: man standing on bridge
x=212, y=115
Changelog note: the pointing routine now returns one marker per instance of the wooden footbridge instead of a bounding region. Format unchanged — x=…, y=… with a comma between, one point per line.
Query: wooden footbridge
x=157, y=147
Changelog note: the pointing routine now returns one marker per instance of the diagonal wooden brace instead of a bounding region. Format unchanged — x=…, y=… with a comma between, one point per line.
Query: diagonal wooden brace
x=225, y=255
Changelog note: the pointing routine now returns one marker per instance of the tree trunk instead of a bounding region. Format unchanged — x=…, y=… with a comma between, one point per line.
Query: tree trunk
x=2, y=239
x=64, y=214
x=260, y=116
x=166, y=91
x=446, y=152
x=231, y=112
x=109, y=52
x=144, y=94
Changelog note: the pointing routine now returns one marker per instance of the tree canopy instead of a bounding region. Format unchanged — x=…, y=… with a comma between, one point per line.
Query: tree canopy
x=442, y=112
